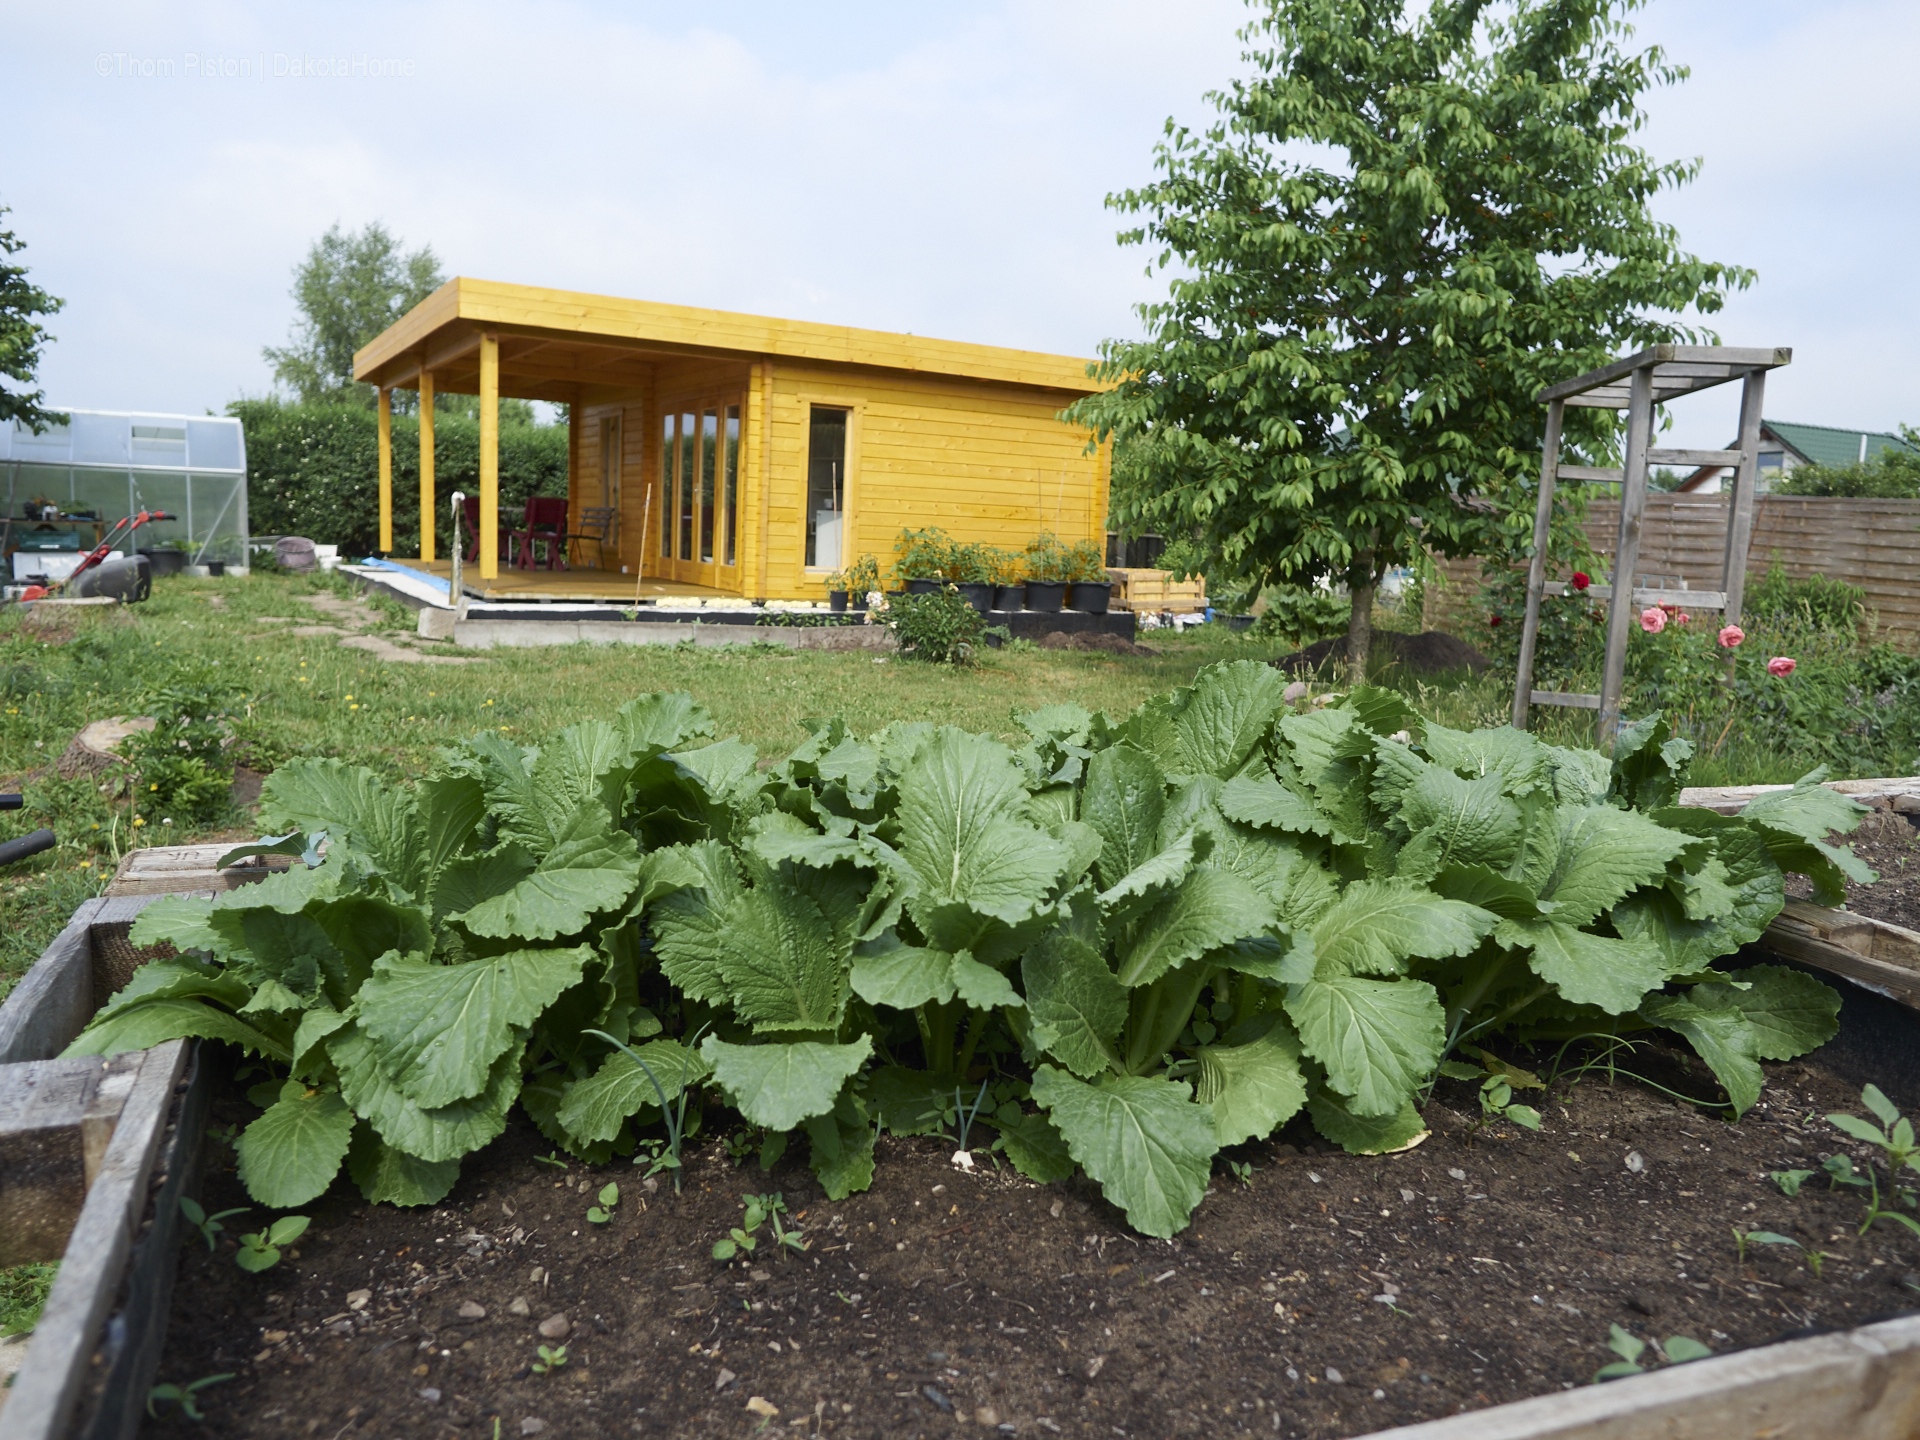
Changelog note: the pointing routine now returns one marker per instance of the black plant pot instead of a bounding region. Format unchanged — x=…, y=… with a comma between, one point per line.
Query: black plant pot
x=857, y=602
x=1091, y=597
x=979, y=596
x=923, y=587
x=1009, y=598
x=837, y=601
x=165, y=562
x=216, y=567
x=1046, y=595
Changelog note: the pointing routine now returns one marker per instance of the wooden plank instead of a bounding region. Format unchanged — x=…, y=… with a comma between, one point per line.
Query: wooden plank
x=1686, y=359
x=84, y=1290
x=1897, y=793
x=1897, y=978
x=1592, y=474
x=1693, y=457
x=1863, y=1384
x=180, y=869
x=54, y=1000
x=43, y=1169
x=1568, y=699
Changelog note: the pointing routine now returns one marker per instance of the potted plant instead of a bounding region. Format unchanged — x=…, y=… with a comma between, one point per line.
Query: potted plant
x=921, y=558
x=970, y=569
x=1048, y=571
x=863, y=581
x=1092, y=588
x=1009, y=581
x=838, y=584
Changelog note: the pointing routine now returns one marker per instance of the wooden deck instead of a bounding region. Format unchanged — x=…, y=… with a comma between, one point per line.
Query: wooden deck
x=580, y=584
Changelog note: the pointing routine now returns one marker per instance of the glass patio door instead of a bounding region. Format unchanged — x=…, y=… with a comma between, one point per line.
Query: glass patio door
x=699, y=494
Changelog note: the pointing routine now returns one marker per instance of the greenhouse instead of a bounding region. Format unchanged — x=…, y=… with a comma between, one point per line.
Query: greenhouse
x=68, y=485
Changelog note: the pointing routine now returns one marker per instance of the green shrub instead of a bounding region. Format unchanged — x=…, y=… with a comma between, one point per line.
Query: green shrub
x=939, y=627
x=1781, y=599
x=1086, y=563
x=1298, y=615
x=313, y=470
x=970, y=564
x=181, y=771
x=1047, y=559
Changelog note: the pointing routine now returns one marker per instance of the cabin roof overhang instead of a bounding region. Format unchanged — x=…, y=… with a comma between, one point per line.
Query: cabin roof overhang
x=567, y=346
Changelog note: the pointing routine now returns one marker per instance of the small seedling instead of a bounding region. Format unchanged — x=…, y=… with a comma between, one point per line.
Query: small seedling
x=1241, y=1170
x=759, y=1210
x=1744, y=1238
x=552, y=1157
x=183, y=1396
x=261, y=1250
x=603, y=1212
x=1790, y=1181
x=548, y=1359
x=1498, y=1080
x=208, y=1225
x=1895, y=1140
x=739, y=1146
x=676, y=1117
x=1629, y=1347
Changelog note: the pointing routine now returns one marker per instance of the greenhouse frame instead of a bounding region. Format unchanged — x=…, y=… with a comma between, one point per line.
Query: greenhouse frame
x=103, y=464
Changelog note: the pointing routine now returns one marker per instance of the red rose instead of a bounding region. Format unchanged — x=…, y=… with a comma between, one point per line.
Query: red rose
x=1581, y=580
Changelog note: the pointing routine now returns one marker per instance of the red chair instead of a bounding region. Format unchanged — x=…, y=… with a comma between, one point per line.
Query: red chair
x=545, y=523
x=471, y=506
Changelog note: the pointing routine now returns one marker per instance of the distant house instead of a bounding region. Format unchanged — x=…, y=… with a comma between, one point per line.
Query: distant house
x=1785, y=447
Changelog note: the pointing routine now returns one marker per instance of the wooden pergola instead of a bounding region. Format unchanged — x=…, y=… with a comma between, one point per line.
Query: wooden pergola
x=1636, y=384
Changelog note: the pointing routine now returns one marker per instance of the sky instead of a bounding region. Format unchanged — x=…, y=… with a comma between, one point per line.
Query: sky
x=939, y=169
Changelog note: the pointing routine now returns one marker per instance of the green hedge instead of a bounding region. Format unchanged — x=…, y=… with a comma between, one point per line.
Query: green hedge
x=314, y=470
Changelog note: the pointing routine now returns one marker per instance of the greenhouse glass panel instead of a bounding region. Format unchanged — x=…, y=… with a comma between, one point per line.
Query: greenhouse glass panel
x=101, y=440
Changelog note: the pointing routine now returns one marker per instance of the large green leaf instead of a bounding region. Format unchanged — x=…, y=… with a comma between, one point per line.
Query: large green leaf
x=587, y=763
x=905, y=977
x=1457, y=822
x=1720, y=1035
x=1211, y=909
x=387, y=1176
x=450, y=806
x=666, y=719
x=1035, y=1148
x=841, y=1142
x=1147, y=1144
x=444, y=1132
x=1377, y=925
x=1604, y=854
x=1788, y=1012
x=1377, y=1038
x=1212, y=726
x=439, y=1028
x=1363, y=1134
x=182, y=921
x=779, y=1085
x=291, y=1153
x=175, y=980
x=1076, y=1003
x=293, y=949
x=595, y=1108
x=688, y=924
x=591, y=868
x=781, y=964
x=910, y=1102
x=1517, y=758
x=1796, y=823
x=468, y=880
x=1157, y=873
x=1124, y=799
x=1261, y=800
x=154, y=1022
x=959, y=834
x=1254, y=1085
x=356, y=808
x=1586, y=969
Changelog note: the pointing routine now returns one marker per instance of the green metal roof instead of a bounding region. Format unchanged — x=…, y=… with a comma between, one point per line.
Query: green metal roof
x=1830, y=445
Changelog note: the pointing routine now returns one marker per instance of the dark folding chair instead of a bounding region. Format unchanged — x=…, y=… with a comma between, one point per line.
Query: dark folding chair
x=596, y=522
x=545, y=524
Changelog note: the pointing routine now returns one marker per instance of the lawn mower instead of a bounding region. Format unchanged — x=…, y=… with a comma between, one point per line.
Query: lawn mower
x=129, y=580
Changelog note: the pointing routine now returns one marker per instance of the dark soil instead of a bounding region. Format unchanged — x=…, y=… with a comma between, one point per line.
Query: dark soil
x=1333, y=1296
x=1092, y=640
x=1432, y=653
x=1889, y=843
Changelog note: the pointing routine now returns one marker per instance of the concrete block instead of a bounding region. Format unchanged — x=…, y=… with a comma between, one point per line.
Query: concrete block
x=434, y=624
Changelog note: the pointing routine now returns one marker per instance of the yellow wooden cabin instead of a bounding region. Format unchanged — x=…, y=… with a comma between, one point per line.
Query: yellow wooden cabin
x=740, y=455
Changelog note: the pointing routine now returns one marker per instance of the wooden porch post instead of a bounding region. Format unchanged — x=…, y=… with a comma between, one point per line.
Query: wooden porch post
x=575, y=494
x=426, y=466
x=386, y=471
x=489, y=457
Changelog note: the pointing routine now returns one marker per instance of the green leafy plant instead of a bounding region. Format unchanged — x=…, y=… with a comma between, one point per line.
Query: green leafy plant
x=548, y=1358
x=603, y=1212
x=1790, y=1181
x=863, y=576
x=1047, y=559
x=969, y=564
x=922, y=554
x=1498, y=1080
x=1086, y=563
x=23, y=1295
x=1008, y=566
x=1893, y=1137
x=673, y=1111
x=184, y=1396
x=756, y=1211
x=940, y=627
x=180, y=769
x=261, y=1250
x=1298, y=615
x=1678, y=1350
x=208, y=1225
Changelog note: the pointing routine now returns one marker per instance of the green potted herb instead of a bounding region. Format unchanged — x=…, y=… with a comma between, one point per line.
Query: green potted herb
x=1048, y=571
x=1009, y=579
x=862, y=580
x=1092, y=589
x=921, y=558
x=970, y=569
x=838, y=583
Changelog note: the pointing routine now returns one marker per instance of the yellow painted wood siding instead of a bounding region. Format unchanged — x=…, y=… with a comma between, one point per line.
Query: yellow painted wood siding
x=990, y=464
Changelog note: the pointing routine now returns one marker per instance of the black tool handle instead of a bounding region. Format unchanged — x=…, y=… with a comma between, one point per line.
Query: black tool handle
x=27, y=845
x=12, y=802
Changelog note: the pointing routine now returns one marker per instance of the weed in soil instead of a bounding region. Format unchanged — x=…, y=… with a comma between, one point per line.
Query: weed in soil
x=1334, y=1295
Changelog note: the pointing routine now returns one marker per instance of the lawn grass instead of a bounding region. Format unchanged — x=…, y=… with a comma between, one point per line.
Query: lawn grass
x=307, y=695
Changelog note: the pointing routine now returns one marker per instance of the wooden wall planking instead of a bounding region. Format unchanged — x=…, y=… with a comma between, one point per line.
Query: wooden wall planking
x=1874, y=544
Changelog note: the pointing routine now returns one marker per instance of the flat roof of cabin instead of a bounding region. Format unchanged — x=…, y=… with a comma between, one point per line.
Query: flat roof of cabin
x=555, y=341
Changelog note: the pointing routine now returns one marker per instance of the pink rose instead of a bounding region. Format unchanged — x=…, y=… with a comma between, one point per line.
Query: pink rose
x=1781, y=665
x=1683, y=617
x=1731, y=636
x=1653, y=620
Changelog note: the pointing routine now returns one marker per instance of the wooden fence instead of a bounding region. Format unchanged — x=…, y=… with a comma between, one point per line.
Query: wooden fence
x=1874, y=544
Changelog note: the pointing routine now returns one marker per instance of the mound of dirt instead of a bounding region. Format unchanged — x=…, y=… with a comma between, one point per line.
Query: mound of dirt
x=1091, y=640
x=1426, y=654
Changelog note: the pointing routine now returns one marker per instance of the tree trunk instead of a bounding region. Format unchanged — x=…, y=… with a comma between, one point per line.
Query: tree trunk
x=1359, y=632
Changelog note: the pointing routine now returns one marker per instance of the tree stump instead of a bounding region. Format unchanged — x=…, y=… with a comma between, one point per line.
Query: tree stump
x=94, y=750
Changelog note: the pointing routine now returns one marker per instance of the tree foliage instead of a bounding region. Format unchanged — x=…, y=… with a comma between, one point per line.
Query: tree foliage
x=1403, y=224
x=350, y=287
x=21, y=336
x=1893, y=474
